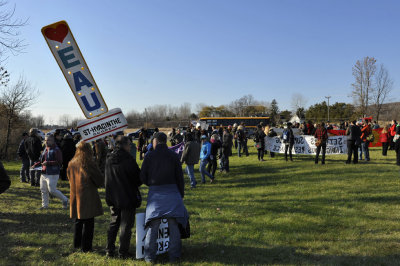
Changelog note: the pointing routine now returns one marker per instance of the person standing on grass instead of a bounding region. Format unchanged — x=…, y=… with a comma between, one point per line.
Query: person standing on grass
x=24, y=172
x=366, y=131
x=122, y=181
x=288, y=140
x=5, y=181
x=191, y=156
x=259, y=139
x=162, y=173
x=242, y=140
x=321, y=136
x=384, y=139
x=101, y=154
x=215, y=147
x=33, y=147
x=68, y=151
x=84, y=178
x=51, y=161
x=353, y=133
x=271, y=134
x=205, y=154
x=397, y=144
x=392, y=133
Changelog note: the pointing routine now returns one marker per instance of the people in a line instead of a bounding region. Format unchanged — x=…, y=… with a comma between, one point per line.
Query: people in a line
x=353, y=133
x=162, y=172
x=205, y=154
x=384, y=138
x=321, y=136
x=68, y=151
x=33, y=147
x=122, y=181
x=51, y=162
x=84, y=178
x=288, y=140
x=226, y=151
x=259, y=139
x=24, y=171
x=191, y=156
x=5, y=181
x=215, y=147
x=366, y=132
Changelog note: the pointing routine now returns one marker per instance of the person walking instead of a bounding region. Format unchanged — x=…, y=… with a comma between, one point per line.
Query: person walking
x=51, y=161
x=84, y=178
x=215, y=147
x=353, y=133
x=24, y=171
x=33, y=147
x=321, y=136
x=162, y=173
x=259, y=139
x=366, y=132
x=191, y=156
x=5, y=181
x=288, y=140
x=205, y=154
x=68, y=151
x=384, y=138
x=122, y=181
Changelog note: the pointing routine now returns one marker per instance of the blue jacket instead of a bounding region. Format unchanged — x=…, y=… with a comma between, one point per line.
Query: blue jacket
x=205, y=151
x=53, y=158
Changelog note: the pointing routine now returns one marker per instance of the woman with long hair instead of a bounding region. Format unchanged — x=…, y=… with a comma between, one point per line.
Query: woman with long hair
x=84, y=178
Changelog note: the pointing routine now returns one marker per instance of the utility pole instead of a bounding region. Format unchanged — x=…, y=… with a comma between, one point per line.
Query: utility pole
x=328, y=97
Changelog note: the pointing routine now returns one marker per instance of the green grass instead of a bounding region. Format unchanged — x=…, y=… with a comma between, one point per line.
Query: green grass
x=271, y=212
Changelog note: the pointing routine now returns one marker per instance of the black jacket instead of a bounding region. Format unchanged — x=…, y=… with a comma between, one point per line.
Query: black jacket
x=215, y=148
x=21, y=150
x=33, y=147
x=4, y=179
x=122, y=180
x=68, y=150
x=259, y=137
x=162, y=167
x=227, y=143
x=353, y=133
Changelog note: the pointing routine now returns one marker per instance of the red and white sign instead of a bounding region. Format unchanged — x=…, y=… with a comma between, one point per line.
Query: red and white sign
x=102, y=126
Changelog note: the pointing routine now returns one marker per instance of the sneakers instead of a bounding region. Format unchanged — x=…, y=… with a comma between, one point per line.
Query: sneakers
x=65, y=204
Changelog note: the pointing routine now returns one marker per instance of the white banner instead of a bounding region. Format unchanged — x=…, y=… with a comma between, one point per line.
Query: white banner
x=102, y=126
x=162, y=239
x=306, y=145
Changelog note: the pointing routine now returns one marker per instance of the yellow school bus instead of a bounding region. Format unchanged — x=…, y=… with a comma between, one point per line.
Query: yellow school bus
x=249, y=122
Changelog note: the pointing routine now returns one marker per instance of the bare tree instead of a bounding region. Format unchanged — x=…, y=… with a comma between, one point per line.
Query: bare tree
x=16, y=99
x=298, y=102
x=65, y=120
x=363, y=72
x=382, y=89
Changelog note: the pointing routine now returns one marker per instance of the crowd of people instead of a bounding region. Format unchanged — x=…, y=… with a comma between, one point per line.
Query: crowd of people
x=111, y=163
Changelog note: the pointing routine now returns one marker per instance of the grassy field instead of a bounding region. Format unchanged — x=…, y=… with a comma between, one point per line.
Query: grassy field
x=272, y=212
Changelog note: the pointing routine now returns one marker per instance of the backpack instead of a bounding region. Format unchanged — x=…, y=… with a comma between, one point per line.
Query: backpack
x=285, y=135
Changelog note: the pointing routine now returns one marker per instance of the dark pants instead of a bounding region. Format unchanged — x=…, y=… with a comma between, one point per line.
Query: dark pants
x=352, y=148
x=24, y=172
x=63, y=172
x=385, y=146
x=260, y=153
x=83, y=234
x=212, y=166
x=34, y=174
x=124, y=218
x=272, y=154
x=288, y=147
x=225, y=162
x=323, y=147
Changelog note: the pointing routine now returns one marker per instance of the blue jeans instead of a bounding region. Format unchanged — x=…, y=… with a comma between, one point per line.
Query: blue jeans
x=190, y=172
x=203, y=171
x=24, y=172
x=34, y=174
x=174, y=246
x=365, y=150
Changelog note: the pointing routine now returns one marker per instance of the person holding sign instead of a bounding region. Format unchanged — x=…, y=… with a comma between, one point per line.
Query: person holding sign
x=162, y=172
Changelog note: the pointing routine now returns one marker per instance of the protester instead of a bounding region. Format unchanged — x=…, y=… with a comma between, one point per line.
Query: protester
x=366, y=133
x=191, y=156
x=353, y=133
x=141, y=144
x=24, y=171
x=215, y=147
x=321, y=136
x=51, y=161
x=84, y=178
x=384, y=139
x=177, y=138
x=288, y=140
x=226, y=151
x=162, y=172
x=310, y=128
x=259, y=139
x=33, y=147
x=58, y=137
x=122, y=181
x=5, y=181
x=234, y=130
x=242, y=141
x=271, y=134
x=205, y=154
x=392, y=133
x=101, y=154
x=68, y=151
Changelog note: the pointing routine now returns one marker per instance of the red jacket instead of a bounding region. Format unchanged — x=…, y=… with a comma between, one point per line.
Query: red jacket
x=384, y=137
x=366, y=131
x=392, y=130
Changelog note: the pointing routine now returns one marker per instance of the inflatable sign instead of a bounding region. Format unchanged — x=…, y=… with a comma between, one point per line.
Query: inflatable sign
x=72, y=64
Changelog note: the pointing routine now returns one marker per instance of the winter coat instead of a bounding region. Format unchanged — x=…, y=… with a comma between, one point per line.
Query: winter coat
x=162, y=166
x=122, y=179
x=259, y=137
x=5, y=181
x=366, y=131
x=52, y=156
x=68, y=150
x=205, y=151
x=227, y=143
x=21, y=150
x=85, y=201
x=33, y=147
x=101, y=154
x=384, y=137
x=191, y=153
x=392, y=130
x=215, y=146
x=353, y=133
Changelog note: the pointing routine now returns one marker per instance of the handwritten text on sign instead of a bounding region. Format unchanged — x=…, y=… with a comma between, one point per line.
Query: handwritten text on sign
x=68, y=56
x=102, y=126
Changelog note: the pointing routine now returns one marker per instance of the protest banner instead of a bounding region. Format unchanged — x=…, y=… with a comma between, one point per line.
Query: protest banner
x=306, y=145
x=111, y=122
x=65, y=50
x=162, y=239
x=376, y=132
